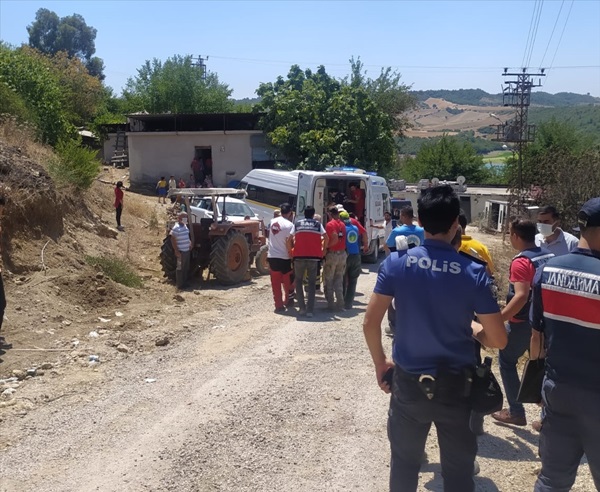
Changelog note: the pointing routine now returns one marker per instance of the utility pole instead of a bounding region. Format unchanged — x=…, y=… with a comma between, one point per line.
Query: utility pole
x=199, y=62
x=517, y=94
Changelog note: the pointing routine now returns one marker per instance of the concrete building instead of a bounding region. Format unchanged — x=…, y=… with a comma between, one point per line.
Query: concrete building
x=230, y=144
x=473, y=200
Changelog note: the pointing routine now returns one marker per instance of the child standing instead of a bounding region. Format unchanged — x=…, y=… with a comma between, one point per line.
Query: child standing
x=161, y=189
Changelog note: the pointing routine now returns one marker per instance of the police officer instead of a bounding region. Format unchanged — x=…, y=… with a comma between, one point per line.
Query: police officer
x=518, y=301
x=433, y=347
x=565, y=313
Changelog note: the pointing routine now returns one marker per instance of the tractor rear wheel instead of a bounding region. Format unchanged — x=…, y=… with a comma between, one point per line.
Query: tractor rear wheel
x=229, y=258
x=168, y=260
x=261, y=262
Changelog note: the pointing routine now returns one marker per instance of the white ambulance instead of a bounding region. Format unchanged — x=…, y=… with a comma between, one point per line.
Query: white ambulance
x=267, y=189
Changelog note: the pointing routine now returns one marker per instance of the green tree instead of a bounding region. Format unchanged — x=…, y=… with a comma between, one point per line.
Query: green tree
x=39, y=87
x=446, y=159
x=387, y=91
x=314, y=121
x=50, y=34
x=561, y=167
x=178, y=86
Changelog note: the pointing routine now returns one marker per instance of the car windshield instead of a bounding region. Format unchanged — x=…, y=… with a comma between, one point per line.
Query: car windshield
x=236, y=209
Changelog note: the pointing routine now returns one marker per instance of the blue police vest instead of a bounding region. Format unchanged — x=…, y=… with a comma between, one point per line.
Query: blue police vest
x=538, y=257
x=352, y=239
x=570, y=294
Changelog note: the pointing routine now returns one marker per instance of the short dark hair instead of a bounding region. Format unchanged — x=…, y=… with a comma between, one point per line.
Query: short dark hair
x=285, y=208
x=334, y=211
x=309, y=212
x=408, y=211
x=549, y=209
x=438, y=208
x=462, y=220
x=524, y=228
x=119, y=184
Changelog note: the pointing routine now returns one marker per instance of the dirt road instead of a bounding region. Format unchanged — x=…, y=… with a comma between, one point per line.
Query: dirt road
x=246, y=400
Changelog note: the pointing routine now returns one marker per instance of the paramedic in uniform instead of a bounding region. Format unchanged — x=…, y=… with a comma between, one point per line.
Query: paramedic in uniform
x=433, y=346
x=565, y=314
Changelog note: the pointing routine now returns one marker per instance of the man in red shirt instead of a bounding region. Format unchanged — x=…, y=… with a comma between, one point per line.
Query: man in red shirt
x=335, y=261
x=516, y=312
x=357, y=197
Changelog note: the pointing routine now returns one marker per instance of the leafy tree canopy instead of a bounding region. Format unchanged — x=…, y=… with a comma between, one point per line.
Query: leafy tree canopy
x=446, y=159
x=51, y=34
x=39, y=88
x=176, y=86
x=314, y=121
x=561, y=167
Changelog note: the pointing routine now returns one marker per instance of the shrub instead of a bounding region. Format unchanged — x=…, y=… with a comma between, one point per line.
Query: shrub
x=75, y=165
x=116, y=269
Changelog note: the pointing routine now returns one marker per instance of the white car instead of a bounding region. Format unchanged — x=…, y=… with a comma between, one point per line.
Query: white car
x=235, y=210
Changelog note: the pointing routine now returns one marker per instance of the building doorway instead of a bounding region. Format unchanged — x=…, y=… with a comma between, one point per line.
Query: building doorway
x=204, y=155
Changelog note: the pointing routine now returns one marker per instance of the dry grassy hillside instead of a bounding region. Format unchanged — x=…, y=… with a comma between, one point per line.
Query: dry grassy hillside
x=437, y=116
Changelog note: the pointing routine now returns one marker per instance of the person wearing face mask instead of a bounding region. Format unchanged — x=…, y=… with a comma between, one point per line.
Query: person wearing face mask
x=551, y=236
x=182, y=244
x=516, y=312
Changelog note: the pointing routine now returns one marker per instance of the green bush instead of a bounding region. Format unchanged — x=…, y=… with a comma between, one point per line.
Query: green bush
x=75, y=164
x=116, y=269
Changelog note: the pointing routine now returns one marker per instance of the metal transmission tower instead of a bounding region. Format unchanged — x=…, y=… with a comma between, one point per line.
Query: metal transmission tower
x=517, y=94
x=199, y=62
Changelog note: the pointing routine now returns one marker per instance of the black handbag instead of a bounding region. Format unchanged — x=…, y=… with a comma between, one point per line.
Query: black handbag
x=530, y=390
x=486, y=394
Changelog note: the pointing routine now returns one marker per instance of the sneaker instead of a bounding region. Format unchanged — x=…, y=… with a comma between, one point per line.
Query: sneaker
x=505, y=417
x=309, y=315
x=290, y=302
x=302, y=312
x=388, y=331
x=280, y=309
x=536, y=425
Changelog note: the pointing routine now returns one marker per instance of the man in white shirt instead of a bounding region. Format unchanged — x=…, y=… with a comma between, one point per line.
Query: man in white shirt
x=550, y=235
x=278, y=256
x=182, y=244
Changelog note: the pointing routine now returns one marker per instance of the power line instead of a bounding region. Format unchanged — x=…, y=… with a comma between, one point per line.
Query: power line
x=552, y=33
x=397, y=67
x=535, y=31
x=529, y=33
x=563, y=31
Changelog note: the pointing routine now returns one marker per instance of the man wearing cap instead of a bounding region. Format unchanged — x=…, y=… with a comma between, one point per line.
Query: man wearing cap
x=565, y=316
x=335, y=261
x=182, y=244
x=473, y=247
x=433, y=352
x=353, y=261
x=550, y=235
x=307, y=239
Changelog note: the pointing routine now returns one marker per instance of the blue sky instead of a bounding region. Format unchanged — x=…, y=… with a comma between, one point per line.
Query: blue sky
x=434, y=44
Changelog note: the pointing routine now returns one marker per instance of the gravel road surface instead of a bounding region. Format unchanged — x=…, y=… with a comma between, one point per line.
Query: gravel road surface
x=248, y=400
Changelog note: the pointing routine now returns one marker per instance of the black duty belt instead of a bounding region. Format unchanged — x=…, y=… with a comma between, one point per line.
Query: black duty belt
x=446, y=381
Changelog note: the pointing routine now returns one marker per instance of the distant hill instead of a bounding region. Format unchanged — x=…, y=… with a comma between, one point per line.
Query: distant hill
x=478, y=97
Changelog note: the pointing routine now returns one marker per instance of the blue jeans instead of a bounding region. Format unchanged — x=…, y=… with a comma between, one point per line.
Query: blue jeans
x=519, y=338
x=410, y=417
x=570, y=429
